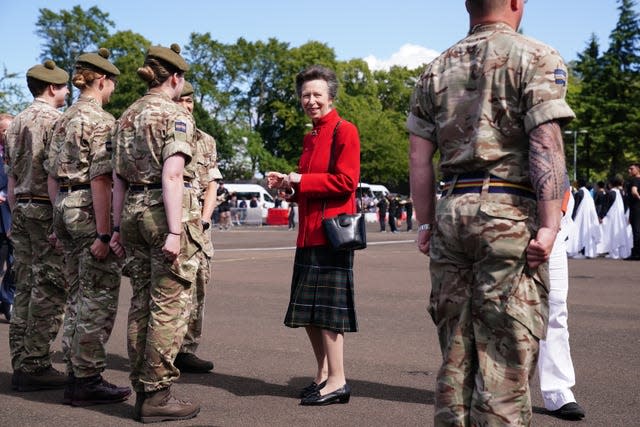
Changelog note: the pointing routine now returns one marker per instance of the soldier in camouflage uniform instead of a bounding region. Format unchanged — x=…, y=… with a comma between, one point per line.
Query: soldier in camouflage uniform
x=205, y=186
x=41, y=290
x=160, y=227
x=80, y=178
x=493, y=105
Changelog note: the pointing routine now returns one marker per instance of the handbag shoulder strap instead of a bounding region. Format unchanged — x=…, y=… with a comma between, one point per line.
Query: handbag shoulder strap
x=331, y=164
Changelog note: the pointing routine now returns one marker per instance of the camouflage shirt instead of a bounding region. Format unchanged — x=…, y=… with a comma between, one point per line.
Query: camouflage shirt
x=206, y=161
x=152, y=129
x=80, y=147
x=27, y=141
x=479, y=100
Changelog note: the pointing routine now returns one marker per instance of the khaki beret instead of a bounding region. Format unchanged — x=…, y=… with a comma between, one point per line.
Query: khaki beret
x=48, y=72
x=170, y=55
x=99, y=60
x=187, y=89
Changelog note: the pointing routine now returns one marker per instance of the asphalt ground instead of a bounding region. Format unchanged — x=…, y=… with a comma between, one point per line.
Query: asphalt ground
x=260, y=365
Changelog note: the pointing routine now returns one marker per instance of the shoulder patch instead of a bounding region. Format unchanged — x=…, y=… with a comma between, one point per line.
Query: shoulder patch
x=181, y=126
x=560, y=76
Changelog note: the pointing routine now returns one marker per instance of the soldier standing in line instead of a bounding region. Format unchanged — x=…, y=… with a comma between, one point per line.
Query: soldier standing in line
x=7, y=284
x=493, y=104
x=41, y=291
x=159, y=222
x=80, y=178
x=205, y=185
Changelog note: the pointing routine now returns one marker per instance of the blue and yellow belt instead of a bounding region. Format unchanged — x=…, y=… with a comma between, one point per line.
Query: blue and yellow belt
x=473, y=182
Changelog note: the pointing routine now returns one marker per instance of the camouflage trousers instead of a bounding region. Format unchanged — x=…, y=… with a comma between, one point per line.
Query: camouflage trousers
x=490, y=311
x=41, y=290
x=194, y=328
x=162, y=291
x=93, y=286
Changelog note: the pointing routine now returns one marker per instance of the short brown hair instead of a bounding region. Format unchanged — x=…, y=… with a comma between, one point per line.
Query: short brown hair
x=484, y=7
x=318, y=72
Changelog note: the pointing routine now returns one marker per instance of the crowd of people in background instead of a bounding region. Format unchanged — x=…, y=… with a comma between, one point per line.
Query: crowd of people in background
x=607, y=218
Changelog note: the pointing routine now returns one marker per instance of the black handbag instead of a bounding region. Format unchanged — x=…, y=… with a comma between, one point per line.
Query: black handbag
x=345, y=232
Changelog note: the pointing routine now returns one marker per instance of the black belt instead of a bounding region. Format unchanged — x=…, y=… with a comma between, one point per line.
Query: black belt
x=36, y=200
x=70, y=188
x=140, y=188
x=473, y=182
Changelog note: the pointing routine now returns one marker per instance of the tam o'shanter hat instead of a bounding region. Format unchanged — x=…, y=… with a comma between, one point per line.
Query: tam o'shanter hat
x=99, y=60
x=48, y=72
x=170, y=55
x=187, y=89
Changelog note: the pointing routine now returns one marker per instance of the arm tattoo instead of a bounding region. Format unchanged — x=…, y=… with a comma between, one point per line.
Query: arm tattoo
x=547, y=168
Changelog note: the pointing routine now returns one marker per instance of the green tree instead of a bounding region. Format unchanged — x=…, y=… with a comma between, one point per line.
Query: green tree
x=12, y=97
x=128, y=50
x=606, y=99
x=67, y=34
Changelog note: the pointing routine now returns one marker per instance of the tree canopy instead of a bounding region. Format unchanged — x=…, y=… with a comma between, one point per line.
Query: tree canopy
x=245, y=95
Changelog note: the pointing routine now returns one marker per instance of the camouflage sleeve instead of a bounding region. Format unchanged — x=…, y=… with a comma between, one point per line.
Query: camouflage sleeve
x=51, y=151
x=544, y=92
x=214, y=172
x=101, y=148
x=10, y=143
x=420, y=121
x=180, y=137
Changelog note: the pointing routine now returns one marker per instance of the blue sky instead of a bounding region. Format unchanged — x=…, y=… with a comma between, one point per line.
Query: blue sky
x=379, y=31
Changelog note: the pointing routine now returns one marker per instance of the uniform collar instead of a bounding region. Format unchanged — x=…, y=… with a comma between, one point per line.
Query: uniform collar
x=490, y=26
x=90, y=99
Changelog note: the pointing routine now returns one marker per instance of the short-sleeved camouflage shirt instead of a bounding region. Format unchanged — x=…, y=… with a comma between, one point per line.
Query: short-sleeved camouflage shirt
x=206, y=161
x=27, y=142
x=80, y=147
x=479, y=100
x=152, y=129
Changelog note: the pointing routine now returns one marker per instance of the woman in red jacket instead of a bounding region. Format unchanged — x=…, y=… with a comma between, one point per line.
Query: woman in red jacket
x=322, y=290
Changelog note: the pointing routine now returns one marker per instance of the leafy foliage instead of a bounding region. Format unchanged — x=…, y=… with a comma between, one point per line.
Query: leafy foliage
x=68, y=34
x=245, y=95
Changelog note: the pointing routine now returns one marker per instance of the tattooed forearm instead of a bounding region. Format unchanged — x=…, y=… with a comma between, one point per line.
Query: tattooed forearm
x=547, y=167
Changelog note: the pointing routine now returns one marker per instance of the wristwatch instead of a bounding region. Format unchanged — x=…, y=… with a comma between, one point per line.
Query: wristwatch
x=424, y=227
x=104, y=238
x=206, y=225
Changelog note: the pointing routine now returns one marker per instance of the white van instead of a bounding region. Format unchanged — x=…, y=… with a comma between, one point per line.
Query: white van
x=246, y=192
x=379, y=191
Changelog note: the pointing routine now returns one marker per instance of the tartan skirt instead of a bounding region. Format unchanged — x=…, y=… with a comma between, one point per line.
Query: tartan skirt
x=322, y=292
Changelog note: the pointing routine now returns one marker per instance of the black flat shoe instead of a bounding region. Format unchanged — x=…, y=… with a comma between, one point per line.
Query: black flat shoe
x=312, y=388
x=571, y=411
x=341, y=395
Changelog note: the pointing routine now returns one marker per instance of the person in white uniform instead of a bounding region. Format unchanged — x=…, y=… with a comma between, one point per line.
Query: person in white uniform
x=555, y=367
x=585, y=235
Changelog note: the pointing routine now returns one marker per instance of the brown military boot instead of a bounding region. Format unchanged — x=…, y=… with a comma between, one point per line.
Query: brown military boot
x=189, y=362
x=43, y=379
x=95, y=390
x=160, y=405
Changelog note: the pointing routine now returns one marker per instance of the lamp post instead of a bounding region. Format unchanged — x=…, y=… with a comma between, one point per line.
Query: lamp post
x=575, y=148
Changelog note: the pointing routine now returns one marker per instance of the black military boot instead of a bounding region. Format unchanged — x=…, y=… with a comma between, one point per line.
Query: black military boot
x=95, y=390
x=43, y=379
x=189, y=362
x=160, y=405
x=68, y=390
x=137, y=409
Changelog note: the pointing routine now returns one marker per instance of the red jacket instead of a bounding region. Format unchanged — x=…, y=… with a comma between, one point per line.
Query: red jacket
x=317, y=185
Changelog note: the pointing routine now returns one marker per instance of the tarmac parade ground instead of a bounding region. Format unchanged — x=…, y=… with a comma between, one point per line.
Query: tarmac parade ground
x=260, y=365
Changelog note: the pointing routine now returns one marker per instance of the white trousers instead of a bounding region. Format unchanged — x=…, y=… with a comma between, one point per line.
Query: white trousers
x=555, y=367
